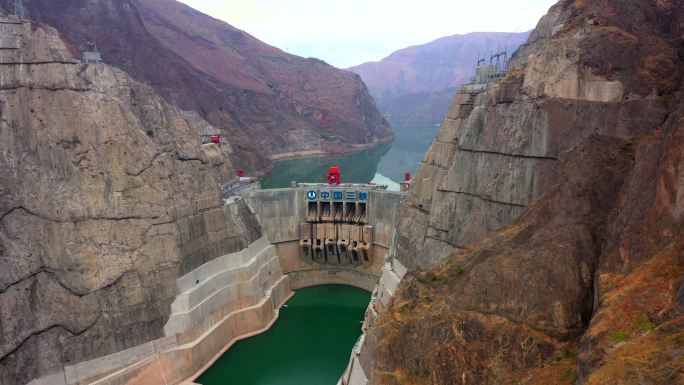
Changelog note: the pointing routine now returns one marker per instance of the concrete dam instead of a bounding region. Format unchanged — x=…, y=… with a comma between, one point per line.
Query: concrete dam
x=326, y=235
x=310, y=235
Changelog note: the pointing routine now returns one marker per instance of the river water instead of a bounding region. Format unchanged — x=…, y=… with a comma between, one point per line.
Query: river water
x=388, y=161
x=309, y=344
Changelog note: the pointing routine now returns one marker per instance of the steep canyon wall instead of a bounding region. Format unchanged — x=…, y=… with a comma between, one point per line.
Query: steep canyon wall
x=107, y=196
x=544, y=232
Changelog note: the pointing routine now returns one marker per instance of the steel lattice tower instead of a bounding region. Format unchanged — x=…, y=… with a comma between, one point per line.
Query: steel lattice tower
x=18, y=9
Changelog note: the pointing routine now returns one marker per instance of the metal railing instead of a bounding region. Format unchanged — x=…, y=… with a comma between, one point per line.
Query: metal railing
x=236, y=185
x=360, y=186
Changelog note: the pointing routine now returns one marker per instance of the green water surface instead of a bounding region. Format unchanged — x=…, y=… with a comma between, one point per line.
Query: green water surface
x=309, y=344
x=392, y=160
x=359, y=168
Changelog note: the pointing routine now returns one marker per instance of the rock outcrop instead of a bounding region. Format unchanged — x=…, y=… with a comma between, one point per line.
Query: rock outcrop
x=266, y=102
x=545, y=230
x=107, y=197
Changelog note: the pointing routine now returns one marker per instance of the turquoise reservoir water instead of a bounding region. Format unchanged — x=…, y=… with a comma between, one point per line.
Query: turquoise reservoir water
x=359, y=168
x=392, y=161
x=309, y=344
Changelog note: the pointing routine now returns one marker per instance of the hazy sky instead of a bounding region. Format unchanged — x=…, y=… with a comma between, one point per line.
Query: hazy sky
x=350, y=32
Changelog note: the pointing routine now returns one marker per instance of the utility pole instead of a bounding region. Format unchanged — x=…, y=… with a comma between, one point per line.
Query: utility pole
x=18, y=9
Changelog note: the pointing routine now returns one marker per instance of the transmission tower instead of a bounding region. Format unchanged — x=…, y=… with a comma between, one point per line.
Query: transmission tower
x=18, y=9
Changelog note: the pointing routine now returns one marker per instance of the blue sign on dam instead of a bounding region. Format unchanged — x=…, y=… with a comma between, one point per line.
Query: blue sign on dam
x=337, y=195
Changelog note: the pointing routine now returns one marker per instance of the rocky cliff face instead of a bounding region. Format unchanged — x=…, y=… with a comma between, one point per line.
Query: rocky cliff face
x=415, y=84
x=265, y=101
x=106, y=197
x=545, y=228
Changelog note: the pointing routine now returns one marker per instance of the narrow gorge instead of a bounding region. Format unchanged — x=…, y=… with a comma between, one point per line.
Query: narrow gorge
x=540, y=242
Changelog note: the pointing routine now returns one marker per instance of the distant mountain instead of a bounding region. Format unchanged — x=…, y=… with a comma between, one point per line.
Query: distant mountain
x=417, y=107
x=267, y=102
x=415, y=84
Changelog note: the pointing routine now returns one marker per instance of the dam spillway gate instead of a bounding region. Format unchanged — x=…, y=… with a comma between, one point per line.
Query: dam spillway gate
x=336, y=231
x=329, y=233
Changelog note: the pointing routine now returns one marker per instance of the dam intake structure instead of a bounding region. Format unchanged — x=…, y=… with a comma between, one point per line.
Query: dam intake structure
x=336, y=231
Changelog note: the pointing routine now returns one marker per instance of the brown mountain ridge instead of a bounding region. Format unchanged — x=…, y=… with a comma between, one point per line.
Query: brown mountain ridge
x=267, y=103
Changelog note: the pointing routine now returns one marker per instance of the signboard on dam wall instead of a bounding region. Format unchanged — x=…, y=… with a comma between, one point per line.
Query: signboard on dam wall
x=336, y=195
x=280, y=211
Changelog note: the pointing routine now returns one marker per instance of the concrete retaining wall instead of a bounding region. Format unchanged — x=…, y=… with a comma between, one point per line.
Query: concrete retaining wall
x=209, y=233
x=83, y=372
x=231, y=297
x=392, y=274
x=279, y=211
x=242, y=276
x=354, y=374
x=187, y=361
x=383, y=214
